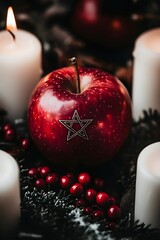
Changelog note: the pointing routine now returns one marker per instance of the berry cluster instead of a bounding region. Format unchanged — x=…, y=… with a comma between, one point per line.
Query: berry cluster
x=87, y=193
x=9, y=135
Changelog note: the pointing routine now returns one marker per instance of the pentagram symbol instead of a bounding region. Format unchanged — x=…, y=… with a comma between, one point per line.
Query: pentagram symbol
x=72, y=132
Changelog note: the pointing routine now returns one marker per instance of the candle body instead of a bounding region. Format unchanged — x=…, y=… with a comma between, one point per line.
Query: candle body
x=146, y=73
x=20, y=70
x=147, y=200
x=9, y=193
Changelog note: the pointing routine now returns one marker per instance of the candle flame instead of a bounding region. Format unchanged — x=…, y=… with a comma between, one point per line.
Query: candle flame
x=11, y=22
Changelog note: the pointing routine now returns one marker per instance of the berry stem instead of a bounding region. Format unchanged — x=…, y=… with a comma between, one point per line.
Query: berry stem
x=73, y=61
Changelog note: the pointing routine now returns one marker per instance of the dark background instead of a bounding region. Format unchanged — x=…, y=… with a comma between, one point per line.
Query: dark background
x=65, y=30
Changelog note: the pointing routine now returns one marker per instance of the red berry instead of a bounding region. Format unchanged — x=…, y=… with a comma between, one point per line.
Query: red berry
x=114, y=212
x=24, y=144
x=6, y=127
x=98, y=214
x=65, y=182
x=79, y=202
x=32, y=172
x=9, y=135
x=88, y=210
x=52, y=179
x=99, y=183
x=76, y=190
x=39, y=169
x=111, y=200
x=45, y=171
x=102, y=199
x=40, y=183
x=84, y=178
x=112, y=225
x=91, y=195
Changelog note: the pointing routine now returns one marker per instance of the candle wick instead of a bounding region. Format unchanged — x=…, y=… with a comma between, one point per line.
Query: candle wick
x=73, y=61
x=12, y=34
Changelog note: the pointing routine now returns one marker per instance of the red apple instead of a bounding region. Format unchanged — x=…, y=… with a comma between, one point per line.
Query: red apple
x=86, y=128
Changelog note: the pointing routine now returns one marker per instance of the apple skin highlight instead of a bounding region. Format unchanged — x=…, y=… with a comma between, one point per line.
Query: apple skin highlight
x=86, y=128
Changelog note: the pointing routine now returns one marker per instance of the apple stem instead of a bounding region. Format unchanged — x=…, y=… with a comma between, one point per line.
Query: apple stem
x=73, y=61
x=12, y=34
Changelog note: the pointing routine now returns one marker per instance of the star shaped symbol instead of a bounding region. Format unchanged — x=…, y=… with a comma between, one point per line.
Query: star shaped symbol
x=72, y=132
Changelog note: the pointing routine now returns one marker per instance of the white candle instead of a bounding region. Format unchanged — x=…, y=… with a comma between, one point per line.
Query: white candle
x=147, y=201
x=20, y=69
x=146, y=73
x=9, y=192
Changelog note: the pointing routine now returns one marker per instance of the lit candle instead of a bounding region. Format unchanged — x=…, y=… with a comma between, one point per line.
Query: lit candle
x=9, y=193
x=146, y=73
x=147, y=202
x=20, y=67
